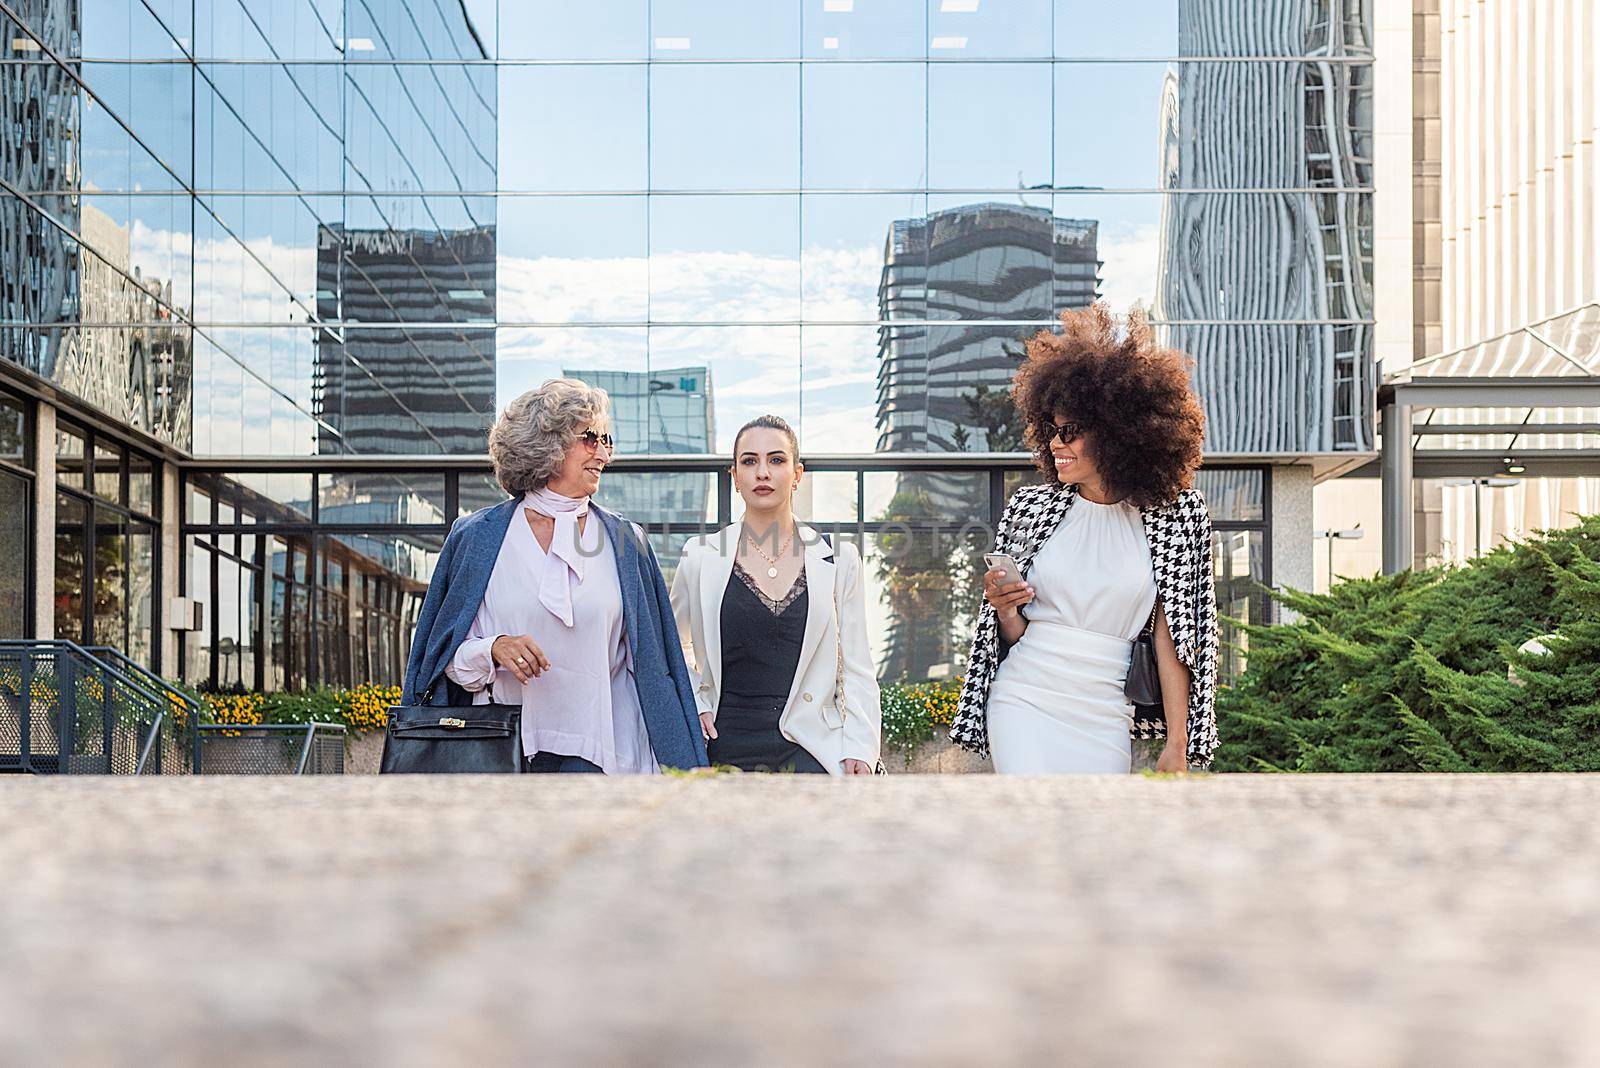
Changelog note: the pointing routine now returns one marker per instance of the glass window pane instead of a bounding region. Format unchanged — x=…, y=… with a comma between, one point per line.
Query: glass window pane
x=1316, y=381
x=880, y=29
x=266, y=126
x=531, y=357
x=558, y=29
x=1238, y=563
x=724, y=258
x=945, y=389
x=416, y=391
x=380, y=498
x=827, y=498
x=748, y=371
x=863, y=257
x=1218, y=125
x=968, y=29
x=71, y=579
x=15, y=445
x=922, y=590
x=840, y=378
x=110, y=617
x=989, y=125
x=1108, y=118
x=725, y=127
x=161, y=97
x=848, y=146
x=411, y=259
x=16, y=525
x=544, y=147
x=573, y=259
x=381, y=580
x=724, y=29
x=280, y=497
x=657, y=497
x=392, y=135
x=142, y=592
x=1233, y=494
x=141, y=484
x=108, y=472
x=71, y=468
x=477, y=491
x=414, y=31
x=1092, y=28
x=991, y=260
x=200, y=504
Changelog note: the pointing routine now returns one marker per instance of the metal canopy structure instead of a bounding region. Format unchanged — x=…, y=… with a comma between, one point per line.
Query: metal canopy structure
x=1526, y=401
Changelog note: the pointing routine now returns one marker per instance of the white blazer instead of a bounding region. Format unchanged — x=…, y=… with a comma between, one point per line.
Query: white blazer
x=811, y=717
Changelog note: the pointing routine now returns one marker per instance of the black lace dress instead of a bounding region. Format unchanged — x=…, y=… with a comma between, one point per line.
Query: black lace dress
x=760, y=653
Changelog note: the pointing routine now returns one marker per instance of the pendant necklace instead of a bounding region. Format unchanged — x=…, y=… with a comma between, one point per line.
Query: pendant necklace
x=772, y=569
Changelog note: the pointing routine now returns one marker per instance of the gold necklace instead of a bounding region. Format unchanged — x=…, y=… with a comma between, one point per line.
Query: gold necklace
x=783, y=550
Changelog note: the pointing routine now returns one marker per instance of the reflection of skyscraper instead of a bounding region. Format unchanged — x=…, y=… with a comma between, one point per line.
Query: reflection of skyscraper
x=388, y=389
x=1275, y=386
x=978, y=261
x=41, y=110
x=666, y=411
x=141, y=367
x=944, y=388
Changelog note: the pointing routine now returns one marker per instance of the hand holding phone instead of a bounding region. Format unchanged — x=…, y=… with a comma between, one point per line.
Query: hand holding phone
x=1003, y=586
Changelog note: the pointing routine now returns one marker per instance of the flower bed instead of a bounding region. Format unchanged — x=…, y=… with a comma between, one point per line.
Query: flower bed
x=917, y=713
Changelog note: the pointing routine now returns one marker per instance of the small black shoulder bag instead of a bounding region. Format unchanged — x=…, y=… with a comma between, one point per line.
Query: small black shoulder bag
x=1143, y=688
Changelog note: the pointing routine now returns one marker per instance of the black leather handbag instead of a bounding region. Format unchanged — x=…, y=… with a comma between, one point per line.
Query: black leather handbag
x=1143, y=687
x=469, y=740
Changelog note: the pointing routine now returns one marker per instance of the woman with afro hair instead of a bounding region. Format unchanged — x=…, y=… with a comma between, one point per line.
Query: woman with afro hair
x=1115, y=540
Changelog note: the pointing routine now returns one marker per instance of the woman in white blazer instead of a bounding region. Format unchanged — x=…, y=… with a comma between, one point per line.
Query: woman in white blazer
x=773, y=621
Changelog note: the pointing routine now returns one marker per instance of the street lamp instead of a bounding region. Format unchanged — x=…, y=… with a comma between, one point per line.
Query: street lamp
x=1354, y=532
x=1477, y=485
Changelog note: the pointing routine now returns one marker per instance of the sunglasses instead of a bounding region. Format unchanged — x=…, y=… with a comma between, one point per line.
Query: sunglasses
x=1065, y=431
x=593, y=439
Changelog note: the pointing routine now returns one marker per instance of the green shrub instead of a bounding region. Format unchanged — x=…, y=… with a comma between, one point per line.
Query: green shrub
x=917, y=712
x=1420, y=671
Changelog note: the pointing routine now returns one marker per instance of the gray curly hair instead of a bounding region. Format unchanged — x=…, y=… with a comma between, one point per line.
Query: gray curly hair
x=530, y=439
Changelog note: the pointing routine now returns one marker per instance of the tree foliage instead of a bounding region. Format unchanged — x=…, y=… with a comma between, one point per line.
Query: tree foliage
x=1420, y=671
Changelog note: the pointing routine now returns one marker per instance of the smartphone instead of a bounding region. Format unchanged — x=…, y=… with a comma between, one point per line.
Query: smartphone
x=1005, y=563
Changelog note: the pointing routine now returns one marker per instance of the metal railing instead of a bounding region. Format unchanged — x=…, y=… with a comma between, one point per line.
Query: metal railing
x=181, y=705
x=66, y=711
x=269, y=749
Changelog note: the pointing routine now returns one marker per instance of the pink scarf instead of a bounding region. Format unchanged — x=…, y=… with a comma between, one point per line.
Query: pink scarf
x=555, y=588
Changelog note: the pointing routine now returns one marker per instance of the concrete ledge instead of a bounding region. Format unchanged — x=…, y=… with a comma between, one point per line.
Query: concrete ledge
x=779, y=920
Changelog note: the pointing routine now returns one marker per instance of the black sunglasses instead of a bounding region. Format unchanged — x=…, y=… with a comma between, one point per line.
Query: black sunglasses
x=1068, y=431
x=594, y=439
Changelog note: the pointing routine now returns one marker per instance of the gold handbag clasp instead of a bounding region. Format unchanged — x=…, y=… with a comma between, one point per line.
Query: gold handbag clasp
x=452, y=723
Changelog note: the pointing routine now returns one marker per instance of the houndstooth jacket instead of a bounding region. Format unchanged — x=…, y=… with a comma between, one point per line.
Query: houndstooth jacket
x=1180, y=554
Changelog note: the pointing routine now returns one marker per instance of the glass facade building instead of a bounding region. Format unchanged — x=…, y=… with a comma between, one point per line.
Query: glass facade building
x=248, y=247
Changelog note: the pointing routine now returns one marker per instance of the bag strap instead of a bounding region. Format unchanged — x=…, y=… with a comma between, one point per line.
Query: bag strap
x=1150, y=626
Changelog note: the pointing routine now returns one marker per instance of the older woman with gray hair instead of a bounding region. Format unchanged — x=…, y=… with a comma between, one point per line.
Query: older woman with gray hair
x=551, y=602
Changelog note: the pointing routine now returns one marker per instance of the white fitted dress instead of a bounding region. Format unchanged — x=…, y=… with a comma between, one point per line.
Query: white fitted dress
x=1057, y=705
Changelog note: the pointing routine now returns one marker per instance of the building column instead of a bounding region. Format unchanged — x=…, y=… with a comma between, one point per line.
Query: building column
x=1293, y=553
x=171, y=560
x=44, y=521
x=1399, y=545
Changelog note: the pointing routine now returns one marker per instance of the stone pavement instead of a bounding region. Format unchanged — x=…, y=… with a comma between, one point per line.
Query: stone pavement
x=774, y=921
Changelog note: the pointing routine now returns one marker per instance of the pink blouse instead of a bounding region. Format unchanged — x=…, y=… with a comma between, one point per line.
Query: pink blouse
x=586, y=704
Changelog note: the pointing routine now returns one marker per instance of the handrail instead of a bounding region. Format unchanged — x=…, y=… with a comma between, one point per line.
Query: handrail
x=139, y=670
x=35, y=643
x=305, y=749
x=150, y=743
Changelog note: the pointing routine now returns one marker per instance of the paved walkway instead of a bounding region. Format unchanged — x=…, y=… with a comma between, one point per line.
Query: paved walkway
x=945, y=920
